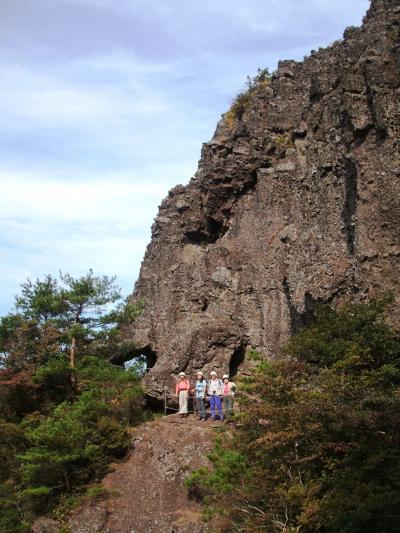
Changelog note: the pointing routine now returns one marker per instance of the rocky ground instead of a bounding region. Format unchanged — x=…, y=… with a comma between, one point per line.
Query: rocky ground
x=147, y=490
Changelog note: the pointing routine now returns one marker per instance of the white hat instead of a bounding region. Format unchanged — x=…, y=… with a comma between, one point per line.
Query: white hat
x=199, y=373
x=225, y=376
x=181, y=374
x=213, y=373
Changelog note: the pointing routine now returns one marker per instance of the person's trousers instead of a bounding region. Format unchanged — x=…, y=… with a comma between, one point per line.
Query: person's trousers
x=183, y=401
x=215, y=404
x=228, y=405
x=201, y=407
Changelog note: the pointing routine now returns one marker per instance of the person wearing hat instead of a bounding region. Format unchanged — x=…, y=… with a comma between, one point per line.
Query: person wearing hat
x=228, y=395
x=182, y=392
x=215, y=392
x=200, y=388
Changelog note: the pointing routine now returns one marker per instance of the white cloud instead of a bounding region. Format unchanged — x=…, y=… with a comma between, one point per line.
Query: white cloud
x=54, y=97
x=96, y=127
x=48, y=225
x=108, y=107
x=108, y=198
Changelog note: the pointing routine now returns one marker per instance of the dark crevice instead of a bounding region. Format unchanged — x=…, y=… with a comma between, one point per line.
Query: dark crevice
x=360, y=135
x=212, y=231
x=215, y=225
x=249, y=184
x=151, y=357
x=317, y=92
x=350, y=203
x=237, y=359
x=215, y=228
x=154, y=404
x=381, y=132
x=299, y=319
x=204, y=304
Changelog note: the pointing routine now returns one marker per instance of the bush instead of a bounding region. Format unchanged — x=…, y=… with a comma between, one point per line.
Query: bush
x=64, y=414
x=320, y=436
x=74, y=444
x=11, y=517
x=53, y=454
x=228, y=464
x=284, y=141
x=241, y=102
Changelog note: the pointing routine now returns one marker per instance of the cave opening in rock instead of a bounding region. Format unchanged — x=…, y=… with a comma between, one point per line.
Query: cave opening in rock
x=237, y=359
x=211, y=231
x=143, y=359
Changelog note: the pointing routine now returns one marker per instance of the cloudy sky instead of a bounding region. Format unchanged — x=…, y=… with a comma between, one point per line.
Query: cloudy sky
x=104, y=105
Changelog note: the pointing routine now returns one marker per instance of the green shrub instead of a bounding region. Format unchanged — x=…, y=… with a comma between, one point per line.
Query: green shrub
x=228, y=464
x=98, y=492
x=11, y=517
x=318, y=449
x=284, y=141
x=64, y=411
x=74, y=444
x=241, y=102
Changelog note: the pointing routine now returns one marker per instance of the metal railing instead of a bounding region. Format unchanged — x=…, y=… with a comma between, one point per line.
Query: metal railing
x=191, y=402
x=175, y=397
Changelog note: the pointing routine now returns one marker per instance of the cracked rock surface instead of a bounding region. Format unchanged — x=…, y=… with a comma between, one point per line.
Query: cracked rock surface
x=147, y=492
x=295, y=201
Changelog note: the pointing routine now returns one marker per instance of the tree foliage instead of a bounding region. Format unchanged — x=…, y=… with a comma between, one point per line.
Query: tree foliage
x=65, y=315
x=319, y=444
x=60, y=426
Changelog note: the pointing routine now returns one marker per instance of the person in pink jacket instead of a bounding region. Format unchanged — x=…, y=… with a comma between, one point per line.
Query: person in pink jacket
x=228, y=396
x=182, y=392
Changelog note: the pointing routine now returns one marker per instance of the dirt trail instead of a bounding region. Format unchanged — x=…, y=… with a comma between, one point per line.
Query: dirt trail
x=150, y=496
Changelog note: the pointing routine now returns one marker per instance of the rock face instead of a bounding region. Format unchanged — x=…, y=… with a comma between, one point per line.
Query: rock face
x=147, y=493
x=296, y=200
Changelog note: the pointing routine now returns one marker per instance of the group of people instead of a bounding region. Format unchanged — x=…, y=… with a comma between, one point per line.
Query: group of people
x=220, y=394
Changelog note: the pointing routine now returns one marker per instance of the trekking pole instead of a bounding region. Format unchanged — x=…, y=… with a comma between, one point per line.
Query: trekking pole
x=165, y=402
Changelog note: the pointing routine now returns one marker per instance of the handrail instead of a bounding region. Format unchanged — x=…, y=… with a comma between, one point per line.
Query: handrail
x=166, y=407
x=168, y=394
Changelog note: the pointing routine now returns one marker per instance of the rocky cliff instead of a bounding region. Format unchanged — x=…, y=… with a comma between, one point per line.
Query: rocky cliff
x=146, y=493
x=296, y=200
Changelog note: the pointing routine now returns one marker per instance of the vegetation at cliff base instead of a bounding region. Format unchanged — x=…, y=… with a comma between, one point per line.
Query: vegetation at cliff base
x=318, y=450
x=65, y=411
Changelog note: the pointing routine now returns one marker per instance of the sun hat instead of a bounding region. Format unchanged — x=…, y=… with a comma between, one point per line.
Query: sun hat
x=225, y=376
x=213, y=373
x=199, y=373
x=181, y=374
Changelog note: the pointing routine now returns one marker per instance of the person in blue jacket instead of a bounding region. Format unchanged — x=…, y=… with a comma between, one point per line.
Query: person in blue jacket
x=200, y=388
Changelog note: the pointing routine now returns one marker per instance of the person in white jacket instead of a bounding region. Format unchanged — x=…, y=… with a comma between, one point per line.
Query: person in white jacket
x=215, y=392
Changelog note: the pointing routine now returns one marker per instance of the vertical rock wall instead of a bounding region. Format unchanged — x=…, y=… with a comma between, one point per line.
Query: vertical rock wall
x=295, y=201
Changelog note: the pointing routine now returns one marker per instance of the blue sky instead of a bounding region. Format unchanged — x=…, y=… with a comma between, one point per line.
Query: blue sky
x=104, y=105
